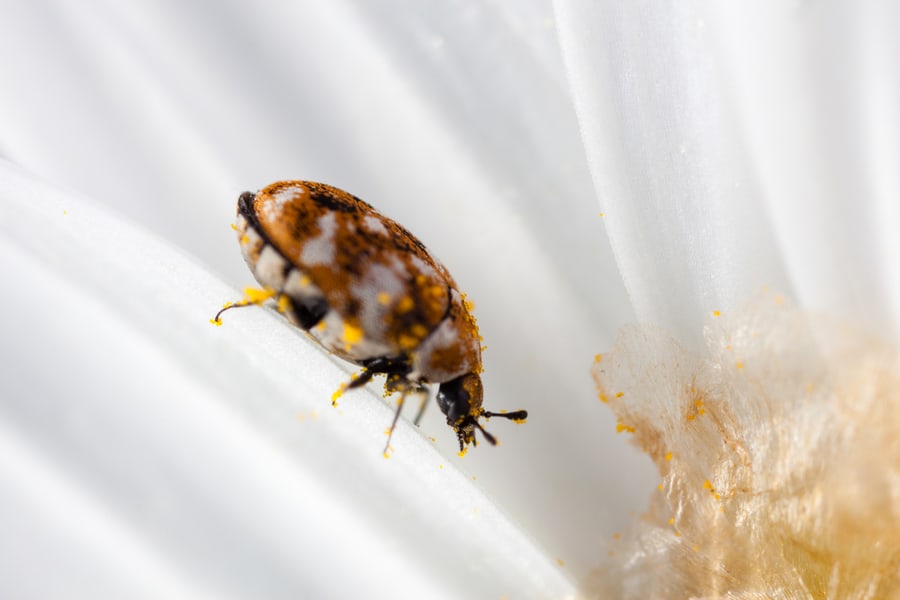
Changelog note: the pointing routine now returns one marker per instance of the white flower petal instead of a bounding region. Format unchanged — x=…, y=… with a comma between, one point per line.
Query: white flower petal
x=140, y=439
x=734, y=148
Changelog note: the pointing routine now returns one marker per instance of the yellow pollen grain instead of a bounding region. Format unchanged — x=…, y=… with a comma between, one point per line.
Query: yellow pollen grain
x=337, y=394
x=233, y=227
x=598, y=358
x=619, y=394
x=677, y=533
x=717, y=313
x=386, y=454
x=305, y=280
x=284, y=304
x=691, y=417
x=696, y=548
x=352, y=334
x=668, y=456
x=257, y=295
x=671, y=520
x=560, y=562
x=383, y=298
x=660, y=487
x=617, y=536
x=707, y=485
x=620, y=427
x=739, y=365
x=419, y=330
x=602, y=215
x=779, y=299
x=440, y=466
x=717, y=497
x=216, y=322
x=461, y=453
x=405, y=305
x=604, y=399
x=407, y=341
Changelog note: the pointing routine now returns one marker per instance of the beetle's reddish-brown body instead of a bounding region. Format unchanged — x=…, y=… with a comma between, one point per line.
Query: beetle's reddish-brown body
x=367, y=290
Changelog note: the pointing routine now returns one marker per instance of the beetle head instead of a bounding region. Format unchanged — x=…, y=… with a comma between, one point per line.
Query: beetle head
x=460, y=400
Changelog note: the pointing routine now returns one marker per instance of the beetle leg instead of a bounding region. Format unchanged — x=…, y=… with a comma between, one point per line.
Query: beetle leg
x=361, y=380
x=217, y=320
x=400, y=402
x=423, y=403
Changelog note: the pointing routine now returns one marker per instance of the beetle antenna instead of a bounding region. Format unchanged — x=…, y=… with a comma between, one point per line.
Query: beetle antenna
x=487, y=436
x=516, y=415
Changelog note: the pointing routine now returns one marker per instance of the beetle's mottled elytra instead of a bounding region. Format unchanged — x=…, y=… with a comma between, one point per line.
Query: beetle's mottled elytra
x=368, y=291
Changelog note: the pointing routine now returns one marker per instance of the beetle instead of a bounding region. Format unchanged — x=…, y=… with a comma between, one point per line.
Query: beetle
x=369, y=292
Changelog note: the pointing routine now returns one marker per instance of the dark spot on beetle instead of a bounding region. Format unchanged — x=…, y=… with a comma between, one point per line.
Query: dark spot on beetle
x=328, y=199
x=245, y=209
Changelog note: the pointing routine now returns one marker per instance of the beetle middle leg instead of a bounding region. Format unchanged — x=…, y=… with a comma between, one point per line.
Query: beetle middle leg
x=405, y=387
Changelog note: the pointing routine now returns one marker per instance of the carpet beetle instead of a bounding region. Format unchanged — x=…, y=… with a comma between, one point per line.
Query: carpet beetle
x=369, y=292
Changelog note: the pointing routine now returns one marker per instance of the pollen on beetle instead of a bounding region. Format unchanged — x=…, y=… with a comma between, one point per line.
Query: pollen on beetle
x=257, y=295
x=407, y=341
x=284, y=304
x=470, y=306
x=383, y=298
x=352, y=334
x=405, y=305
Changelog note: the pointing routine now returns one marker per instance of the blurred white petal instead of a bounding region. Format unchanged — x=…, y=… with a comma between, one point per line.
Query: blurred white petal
x=736, y=147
